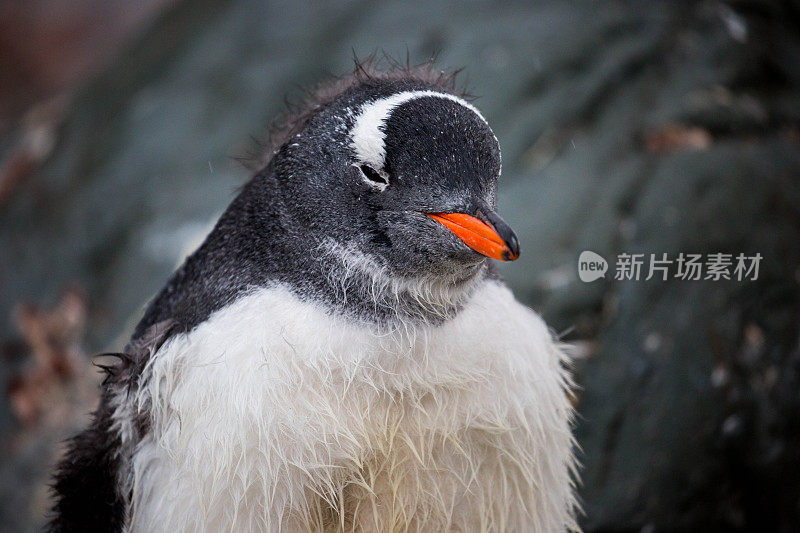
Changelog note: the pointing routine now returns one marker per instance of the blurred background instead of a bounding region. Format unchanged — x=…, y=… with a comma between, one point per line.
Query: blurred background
x=626, y=127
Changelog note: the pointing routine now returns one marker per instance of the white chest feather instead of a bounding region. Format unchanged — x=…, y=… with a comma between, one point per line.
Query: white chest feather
x=273, y=415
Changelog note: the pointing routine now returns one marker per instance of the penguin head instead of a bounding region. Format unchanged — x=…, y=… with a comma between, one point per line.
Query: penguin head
x=400, y=172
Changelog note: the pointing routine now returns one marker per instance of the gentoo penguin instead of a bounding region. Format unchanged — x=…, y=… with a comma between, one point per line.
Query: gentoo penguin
x=339, y=354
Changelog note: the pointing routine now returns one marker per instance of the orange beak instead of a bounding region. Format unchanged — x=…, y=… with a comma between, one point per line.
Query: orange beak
x=494, y=239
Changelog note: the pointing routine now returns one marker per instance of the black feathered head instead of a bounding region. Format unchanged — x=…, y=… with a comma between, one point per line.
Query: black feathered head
x=397, y=168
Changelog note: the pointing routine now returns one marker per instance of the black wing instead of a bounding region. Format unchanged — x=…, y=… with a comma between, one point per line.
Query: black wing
x=86, y=488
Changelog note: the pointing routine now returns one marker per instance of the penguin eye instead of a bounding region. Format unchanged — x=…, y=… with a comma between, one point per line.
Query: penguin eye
x=376, y=178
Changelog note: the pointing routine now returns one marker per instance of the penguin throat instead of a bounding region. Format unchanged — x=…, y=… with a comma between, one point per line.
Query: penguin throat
x=370, y=291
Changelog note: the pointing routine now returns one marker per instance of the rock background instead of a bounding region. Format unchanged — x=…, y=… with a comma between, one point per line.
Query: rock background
x=626, y=127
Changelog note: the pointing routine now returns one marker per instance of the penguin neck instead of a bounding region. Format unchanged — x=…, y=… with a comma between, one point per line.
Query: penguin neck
x=363, y=288
x=348, y=281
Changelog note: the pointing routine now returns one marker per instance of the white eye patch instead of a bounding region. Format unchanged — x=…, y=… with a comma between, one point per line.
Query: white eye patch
x=367, y=136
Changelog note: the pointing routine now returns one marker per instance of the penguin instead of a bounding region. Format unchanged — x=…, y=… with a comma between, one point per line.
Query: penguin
x=341, y=354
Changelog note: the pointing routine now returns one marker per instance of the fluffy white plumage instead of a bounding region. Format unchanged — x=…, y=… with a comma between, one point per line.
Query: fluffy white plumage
x=276, y=415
